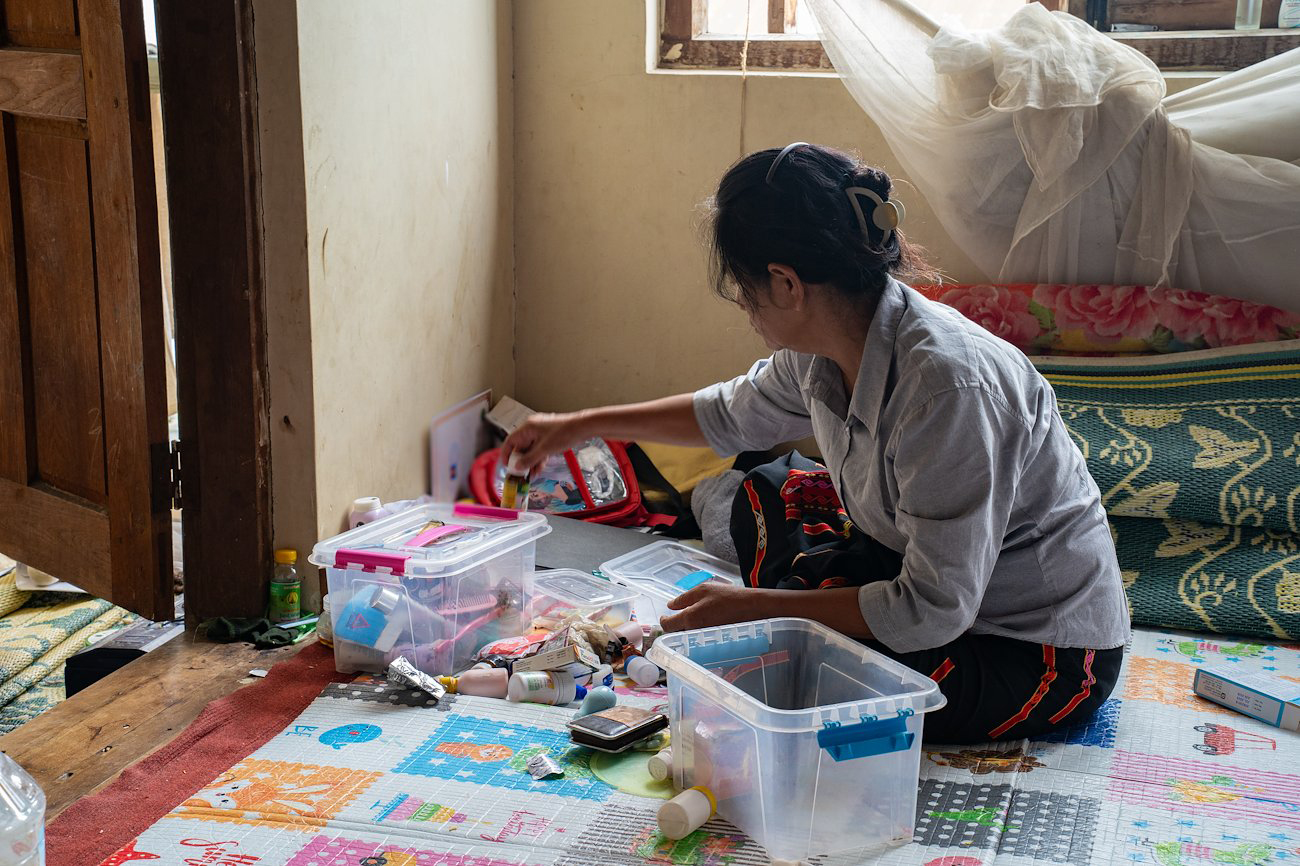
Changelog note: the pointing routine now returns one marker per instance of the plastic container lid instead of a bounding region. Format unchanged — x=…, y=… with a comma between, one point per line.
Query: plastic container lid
x=579, y=589
x=881, y=688
x=666, y=569
x=434, y=540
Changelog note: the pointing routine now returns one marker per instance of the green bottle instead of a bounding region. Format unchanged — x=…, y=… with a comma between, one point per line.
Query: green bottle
x=286, y=588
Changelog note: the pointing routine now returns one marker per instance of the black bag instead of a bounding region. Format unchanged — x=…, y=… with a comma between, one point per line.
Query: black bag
x=792, y=532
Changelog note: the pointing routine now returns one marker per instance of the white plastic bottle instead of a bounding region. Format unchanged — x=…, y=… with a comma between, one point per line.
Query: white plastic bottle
x=22, y=816
x=367, y=509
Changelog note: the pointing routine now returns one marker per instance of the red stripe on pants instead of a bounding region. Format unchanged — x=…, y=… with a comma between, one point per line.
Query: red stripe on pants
x=1049, y=661
x=1088, y=681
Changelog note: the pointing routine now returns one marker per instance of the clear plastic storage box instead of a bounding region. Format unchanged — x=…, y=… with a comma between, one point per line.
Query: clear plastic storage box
x=561, y=592
x=662, y=571
x=810, y=741
x=432, y=584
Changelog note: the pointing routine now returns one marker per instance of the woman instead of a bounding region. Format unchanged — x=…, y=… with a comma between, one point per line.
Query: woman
x=943, y=443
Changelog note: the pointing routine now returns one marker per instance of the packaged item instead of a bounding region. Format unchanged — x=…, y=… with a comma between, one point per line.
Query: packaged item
x=483, y=682
x=616, y=729
x=366, y=509
x=564, y=651
x=543, y=766
x=1270, y=699
x=286, y=588
x=643, y=672
x=660, y=765
x=555, y=688
x=687, y=812
x=514, y=489
x=402, y=673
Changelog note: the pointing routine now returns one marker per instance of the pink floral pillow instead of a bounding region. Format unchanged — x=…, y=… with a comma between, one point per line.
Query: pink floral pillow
x=1114, y=319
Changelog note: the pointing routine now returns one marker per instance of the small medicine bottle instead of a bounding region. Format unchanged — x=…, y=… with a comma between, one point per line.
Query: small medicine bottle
x=514, y=490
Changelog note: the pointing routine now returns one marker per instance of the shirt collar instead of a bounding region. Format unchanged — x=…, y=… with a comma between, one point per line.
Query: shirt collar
x=878, y=356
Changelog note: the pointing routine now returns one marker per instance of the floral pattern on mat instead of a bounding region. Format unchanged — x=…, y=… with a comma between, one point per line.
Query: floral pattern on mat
x=1046, y=317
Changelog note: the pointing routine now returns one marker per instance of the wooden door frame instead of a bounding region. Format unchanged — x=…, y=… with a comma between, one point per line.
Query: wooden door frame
x=210, y=133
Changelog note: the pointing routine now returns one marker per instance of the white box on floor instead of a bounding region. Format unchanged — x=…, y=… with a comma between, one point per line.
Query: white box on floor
x=432, y=584
x=809, y=741
x=1272, y=700
x=664, y=570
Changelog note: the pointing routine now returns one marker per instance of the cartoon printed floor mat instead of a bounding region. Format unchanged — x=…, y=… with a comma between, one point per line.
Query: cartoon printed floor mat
x=373, y=776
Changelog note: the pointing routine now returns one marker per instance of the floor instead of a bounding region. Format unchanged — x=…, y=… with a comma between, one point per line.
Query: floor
x=81, y=745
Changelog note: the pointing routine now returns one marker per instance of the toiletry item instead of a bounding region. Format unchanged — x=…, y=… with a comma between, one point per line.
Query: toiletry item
x=597, y=699
x=482, y=682
x=514, y=490
x=632, y=632
x=660, y=765
x=370, y=618
x=367, y=509
x=643, y=672
x=616, y=729
x=684, y=814
x=22, y=816
x=1248, y=14
x=555, y=688
x=286, y=588
x=1289, y=14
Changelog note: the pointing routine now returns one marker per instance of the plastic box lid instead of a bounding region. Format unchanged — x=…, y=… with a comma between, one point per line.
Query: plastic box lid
x=579, y=589
x=434, y=540
x=880, y=687
x=666, y=569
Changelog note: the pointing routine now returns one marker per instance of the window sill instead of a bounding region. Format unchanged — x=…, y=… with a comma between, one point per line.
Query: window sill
x=1171, y=50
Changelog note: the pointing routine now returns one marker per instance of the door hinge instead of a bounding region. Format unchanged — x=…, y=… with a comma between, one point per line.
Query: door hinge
x=174, y=476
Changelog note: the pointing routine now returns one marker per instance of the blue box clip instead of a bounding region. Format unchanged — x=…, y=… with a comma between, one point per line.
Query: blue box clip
x=869, y=737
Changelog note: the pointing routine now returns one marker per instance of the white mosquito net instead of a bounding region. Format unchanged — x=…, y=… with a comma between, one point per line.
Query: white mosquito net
x=1050, y=153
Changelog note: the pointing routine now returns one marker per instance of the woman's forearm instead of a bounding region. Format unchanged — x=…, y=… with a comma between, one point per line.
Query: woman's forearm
x=837, y=608
x=670, y=420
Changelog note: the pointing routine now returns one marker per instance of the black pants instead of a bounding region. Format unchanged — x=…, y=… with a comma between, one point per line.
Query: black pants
x=791, y=532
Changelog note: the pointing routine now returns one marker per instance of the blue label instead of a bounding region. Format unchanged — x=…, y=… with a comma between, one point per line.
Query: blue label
x=694, y=579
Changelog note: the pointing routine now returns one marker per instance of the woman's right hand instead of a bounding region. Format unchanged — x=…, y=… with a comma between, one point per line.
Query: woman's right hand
x=542, y=435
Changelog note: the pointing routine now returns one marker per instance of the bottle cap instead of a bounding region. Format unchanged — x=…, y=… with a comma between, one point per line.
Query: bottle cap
x=366, y=503
x=684, y=814
x=448, y=683
x=286, y=556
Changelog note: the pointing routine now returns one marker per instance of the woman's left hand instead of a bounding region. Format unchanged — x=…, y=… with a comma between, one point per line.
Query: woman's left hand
x=715, y=603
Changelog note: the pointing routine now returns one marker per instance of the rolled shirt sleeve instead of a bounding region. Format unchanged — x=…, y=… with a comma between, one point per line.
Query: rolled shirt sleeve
x=758, y=410
x=956, y=462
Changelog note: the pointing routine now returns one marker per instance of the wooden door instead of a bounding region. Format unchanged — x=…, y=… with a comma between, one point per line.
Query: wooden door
x=83, y=433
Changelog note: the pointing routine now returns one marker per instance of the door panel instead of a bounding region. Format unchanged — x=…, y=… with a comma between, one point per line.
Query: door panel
x=82, y=396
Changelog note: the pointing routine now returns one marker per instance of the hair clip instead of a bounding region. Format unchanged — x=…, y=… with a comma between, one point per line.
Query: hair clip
x=781, y=156
x=886, y=215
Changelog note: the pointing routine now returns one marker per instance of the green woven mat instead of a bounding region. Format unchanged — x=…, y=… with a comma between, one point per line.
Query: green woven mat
x=38, y=632
x=1211, y=436
x=1205, y=577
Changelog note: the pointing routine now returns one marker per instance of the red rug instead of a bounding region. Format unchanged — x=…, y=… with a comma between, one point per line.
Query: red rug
x=227, y=731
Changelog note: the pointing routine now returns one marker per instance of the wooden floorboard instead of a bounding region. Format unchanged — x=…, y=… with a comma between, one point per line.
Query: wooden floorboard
x=81, y=745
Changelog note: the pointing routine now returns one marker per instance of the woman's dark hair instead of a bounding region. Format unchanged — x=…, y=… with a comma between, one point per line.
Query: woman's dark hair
x=801, y=216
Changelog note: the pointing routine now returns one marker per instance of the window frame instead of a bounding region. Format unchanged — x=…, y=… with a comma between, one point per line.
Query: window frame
x=683, y=45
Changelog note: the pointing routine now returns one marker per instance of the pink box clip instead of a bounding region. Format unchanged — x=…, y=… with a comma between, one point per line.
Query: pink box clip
x=371, y=561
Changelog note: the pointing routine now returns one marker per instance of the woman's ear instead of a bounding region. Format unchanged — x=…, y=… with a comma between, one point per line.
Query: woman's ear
x=787, y=291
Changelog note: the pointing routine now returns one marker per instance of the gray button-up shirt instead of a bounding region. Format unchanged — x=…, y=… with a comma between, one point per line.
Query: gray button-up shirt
x=950, y=450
